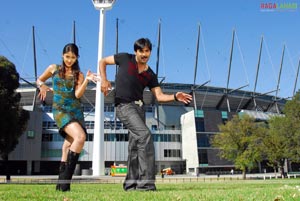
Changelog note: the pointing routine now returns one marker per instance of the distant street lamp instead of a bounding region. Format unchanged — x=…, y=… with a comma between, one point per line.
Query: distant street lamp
x=98, y=145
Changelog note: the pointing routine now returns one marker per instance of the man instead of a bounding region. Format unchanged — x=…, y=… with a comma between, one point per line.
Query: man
x=133, y=76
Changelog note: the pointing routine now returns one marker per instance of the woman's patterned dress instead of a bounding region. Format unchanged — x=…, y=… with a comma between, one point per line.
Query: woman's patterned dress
x=66, y=107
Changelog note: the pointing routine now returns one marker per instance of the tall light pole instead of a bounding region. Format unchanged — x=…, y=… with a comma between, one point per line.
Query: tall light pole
x=98, y=146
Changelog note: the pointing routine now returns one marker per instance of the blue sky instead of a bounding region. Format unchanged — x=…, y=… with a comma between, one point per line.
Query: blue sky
x=53, y=21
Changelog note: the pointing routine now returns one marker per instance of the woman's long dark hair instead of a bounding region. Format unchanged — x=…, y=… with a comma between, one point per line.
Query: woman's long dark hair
x=71, y=47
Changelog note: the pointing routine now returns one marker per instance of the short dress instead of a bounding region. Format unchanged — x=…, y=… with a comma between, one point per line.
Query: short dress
x=66, y=107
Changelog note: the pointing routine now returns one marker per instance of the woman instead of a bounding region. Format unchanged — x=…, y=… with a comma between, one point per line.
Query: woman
x=69, y=85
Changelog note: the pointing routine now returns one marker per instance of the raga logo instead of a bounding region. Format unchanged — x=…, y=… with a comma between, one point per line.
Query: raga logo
x=273, y=6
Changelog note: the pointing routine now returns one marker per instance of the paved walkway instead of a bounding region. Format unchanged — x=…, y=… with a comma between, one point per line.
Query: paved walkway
x=167, y=178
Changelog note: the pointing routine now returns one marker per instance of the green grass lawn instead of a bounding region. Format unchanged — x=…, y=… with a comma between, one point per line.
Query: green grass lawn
x=235, y=190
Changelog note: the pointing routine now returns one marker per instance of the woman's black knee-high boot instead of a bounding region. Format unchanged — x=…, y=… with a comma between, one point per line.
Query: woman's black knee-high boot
x=61, y=175
x=69, y=170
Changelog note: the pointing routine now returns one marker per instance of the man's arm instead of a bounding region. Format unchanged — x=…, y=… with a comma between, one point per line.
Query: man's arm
x=178, y=96
x=105, y=84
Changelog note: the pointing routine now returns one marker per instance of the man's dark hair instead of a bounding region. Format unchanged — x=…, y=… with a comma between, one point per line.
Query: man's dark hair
x=141, y=43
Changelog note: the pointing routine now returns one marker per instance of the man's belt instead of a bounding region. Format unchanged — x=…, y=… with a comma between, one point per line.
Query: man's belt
x=139, y=103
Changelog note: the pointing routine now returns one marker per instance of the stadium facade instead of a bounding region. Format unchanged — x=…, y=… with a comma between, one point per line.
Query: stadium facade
x=181, y=133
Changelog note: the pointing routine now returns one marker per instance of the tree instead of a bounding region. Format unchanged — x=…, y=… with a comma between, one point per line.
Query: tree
x=238, y=142
x=276, y=142
x=13, y=119
x=292, y=113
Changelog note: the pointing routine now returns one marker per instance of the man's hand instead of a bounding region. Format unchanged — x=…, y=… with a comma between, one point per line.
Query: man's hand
x=183, y=97
x=105, y=87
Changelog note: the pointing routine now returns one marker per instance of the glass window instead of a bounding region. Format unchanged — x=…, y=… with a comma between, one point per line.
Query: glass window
x=89, y=124
x=199, y=124
x=172, y=153
x=90, y=137
x=56, y=137
x=166, y=137
x=121, y=137
x=154, y=127
x=88, y=108
x=109, y=107
x=47, y=108
x=202, y=156
x=199, y=113
x=149, y=109
x=47, y=137
x=203, y=140
x=30, y=134
x=224, y=115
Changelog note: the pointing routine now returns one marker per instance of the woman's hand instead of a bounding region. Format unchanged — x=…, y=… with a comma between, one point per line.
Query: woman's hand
x=93, y=77
x=105, y=84
x=43, y=92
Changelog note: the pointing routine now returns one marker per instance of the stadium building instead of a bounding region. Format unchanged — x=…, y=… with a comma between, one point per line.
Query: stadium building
x=181, y=132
